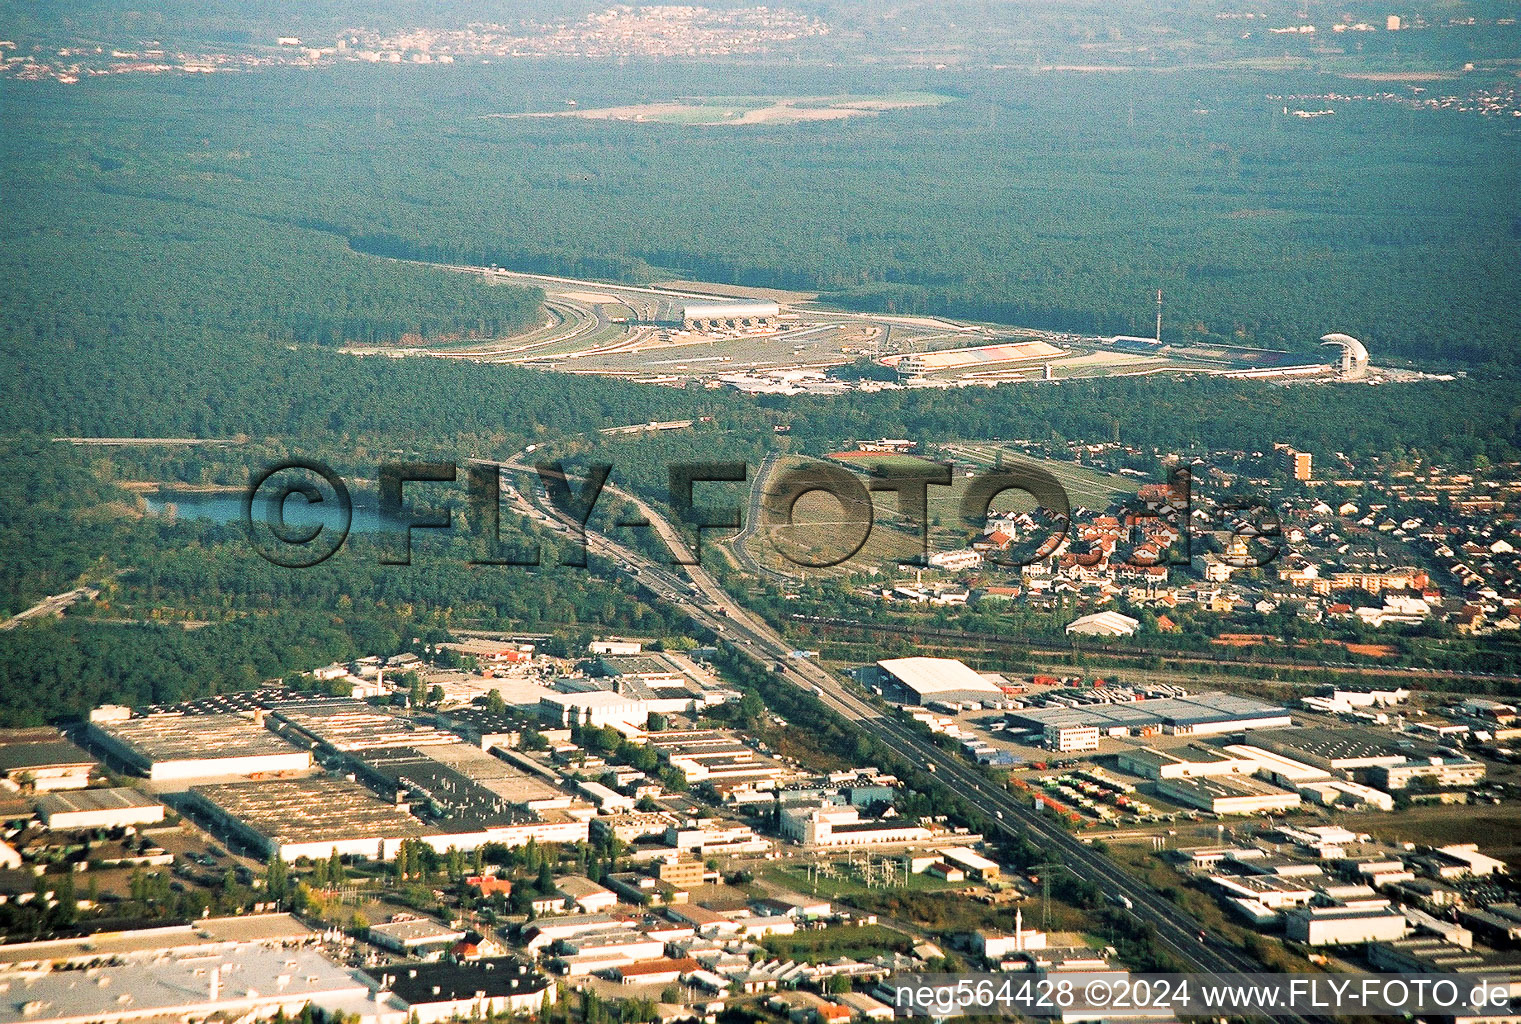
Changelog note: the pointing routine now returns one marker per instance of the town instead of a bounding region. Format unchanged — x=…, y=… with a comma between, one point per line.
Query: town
x=481, y=828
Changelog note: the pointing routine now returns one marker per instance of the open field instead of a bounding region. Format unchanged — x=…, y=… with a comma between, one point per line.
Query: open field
x=1497, y=830
x=709, y=111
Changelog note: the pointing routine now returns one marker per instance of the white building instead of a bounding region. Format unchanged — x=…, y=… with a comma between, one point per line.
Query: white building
x=1071, y=738
x=842, y=826
x=1344, y=926
x=601, y=708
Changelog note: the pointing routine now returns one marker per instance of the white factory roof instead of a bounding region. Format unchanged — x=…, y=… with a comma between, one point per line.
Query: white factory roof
x=230, y=982
x=935, y=675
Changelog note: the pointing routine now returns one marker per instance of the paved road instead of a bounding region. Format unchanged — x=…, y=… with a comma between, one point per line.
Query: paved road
x=1176, y=930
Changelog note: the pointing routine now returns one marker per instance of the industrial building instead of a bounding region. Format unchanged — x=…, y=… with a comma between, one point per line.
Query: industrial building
x=843, y=826
x=414, y=936
x=1441, y=772
x=341, y=725
x=42, y=760
x=1341, y=793
x=1233, y=794
x=916, y=680
x=98, y=808
x=312, y=817
x=1285, y=771
x=717, y=757
x=1199, y=714
x=600, y=708
x=212, y=981
x=1187, y=763
x=704, y=316
x=1344, y=926
x=974, y=864
x=308, y=818
x=170, y=747
x=1341, y=750
x=442, y=795
x=482, y=989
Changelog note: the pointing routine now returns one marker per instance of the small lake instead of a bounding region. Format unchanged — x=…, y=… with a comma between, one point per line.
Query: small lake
x=227, y=507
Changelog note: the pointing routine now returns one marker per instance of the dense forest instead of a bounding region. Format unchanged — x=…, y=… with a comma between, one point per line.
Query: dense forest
x=1053, y=200
x=185, y=257
x=187, y=608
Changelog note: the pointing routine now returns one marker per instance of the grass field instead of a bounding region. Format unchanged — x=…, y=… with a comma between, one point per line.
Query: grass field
x=833, y=943
x=1497, y=830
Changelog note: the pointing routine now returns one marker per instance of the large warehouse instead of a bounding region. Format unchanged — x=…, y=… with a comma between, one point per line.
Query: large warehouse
x=312, y=817
x=729, y=313
x=1229, y=794
x=1200, y=714
x=918, y=680
x=167, y=747
x=309, y=817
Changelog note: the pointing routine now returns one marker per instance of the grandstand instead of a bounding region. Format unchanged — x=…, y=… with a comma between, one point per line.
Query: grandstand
x=920, y=363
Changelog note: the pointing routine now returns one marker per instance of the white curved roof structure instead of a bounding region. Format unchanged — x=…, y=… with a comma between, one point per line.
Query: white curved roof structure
x=1104, y=624
x=1354, y=355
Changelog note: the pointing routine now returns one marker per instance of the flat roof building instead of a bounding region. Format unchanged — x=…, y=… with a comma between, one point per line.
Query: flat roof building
x=1332, y=749
x=1234, y=794
x=349, y=726
x=1185, y=763
x=481, y=989
x=414, y=936
x=1070, y=739
x=98, y=808
x=843, y=826
x=241, y=981
x=43, y=760
x=310, y=817
x=166, y=747
x=1200, y=714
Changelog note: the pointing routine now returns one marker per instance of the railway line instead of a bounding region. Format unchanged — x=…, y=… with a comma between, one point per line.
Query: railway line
x=964, y=638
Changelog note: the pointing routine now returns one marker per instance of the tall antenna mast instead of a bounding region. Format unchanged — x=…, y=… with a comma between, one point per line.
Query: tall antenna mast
x=1159, y=316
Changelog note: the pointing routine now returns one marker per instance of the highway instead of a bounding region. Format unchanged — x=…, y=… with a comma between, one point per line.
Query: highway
x=691, y=587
